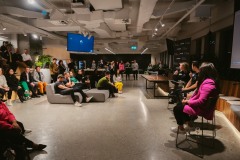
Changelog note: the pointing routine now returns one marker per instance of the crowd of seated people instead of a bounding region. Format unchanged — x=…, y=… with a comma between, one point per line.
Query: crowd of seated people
x=189, y=109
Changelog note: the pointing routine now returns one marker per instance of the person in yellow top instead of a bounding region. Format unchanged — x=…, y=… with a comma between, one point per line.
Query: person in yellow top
x=117, y=80
x=54, y=70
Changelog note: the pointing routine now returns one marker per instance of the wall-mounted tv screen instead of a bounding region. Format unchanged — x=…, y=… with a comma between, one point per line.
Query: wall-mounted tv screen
x=79, y=43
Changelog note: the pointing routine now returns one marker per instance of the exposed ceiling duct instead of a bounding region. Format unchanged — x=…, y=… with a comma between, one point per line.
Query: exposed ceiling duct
x=106, y=4
x=145, y=12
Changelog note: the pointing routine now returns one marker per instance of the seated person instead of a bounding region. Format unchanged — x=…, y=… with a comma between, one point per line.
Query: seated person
x=76, y=87
x=27, y=59
x=190, y=86
x=117, y=79
x=4, y=87
x=181, y=75
x=207, y=86
x=82, y=78
x=38, y=78
x=62, y=89
x=12, y=131
x=12, y=83
x=27, y=78
x=104, y=83
x=150, y=67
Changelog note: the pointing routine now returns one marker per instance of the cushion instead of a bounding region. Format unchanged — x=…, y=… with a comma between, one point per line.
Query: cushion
x=98, y=95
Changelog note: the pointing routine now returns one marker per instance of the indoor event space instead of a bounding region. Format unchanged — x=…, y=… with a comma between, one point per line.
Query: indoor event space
x=119, y=79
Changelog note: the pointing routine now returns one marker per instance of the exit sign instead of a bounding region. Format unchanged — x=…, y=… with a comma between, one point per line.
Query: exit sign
x=133, y=47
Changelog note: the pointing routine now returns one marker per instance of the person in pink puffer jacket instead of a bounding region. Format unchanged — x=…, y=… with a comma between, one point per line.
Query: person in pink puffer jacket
x=207, y=87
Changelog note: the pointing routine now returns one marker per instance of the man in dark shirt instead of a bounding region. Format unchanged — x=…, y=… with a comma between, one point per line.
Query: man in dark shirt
x=77, y=87
x=27, y=77
x=62, y=89
x=104, y=83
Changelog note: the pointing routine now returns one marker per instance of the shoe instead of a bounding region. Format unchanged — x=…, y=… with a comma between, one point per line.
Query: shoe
x=77, y=104
x=26, y=92
x=9, y=103
x=113, y=96
x=120, y=92
x=36, y=96
x=39, y=147
x=26, y=131
x=175, y=129
x=88, y=99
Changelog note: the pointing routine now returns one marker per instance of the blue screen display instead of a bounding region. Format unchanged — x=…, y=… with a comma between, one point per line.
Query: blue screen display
x=79, y=43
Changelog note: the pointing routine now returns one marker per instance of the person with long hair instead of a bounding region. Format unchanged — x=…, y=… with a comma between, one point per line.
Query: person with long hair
x=13, y=84
x=117, y=80
x=61, y=67
x=207, y=86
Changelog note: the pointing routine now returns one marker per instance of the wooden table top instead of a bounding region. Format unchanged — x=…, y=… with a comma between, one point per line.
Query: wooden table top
x=155, y=78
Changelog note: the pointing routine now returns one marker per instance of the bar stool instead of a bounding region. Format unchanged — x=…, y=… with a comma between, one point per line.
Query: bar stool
x=210, y=108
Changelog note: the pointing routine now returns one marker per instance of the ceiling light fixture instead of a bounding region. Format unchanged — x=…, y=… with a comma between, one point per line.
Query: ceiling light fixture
x=35, y=36
x=144, y=50
x=161, y=19
x=31, y=1
x=162, y=24
x=156, y=29
x=109, y=51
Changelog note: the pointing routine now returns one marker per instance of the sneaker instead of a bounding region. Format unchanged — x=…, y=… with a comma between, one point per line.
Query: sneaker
x=9, y=103
x=26, y=92
x=88, y=99
x=175, y=130
x=27, y=131
x=120, y=92
x=77, y=104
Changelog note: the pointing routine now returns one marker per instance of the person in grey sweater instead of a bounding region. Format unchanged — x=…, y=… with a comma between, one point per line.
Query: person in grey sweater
x=135, y=70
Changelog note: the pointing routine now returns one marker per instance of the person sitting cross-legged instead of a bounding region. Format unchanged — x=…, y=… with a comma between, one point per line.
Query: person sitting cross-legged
x=207, y=86
x=13, y=84
x=62, y=89
x=27, y=78
x=39, y=79
x=77, y=87
x=13, y=131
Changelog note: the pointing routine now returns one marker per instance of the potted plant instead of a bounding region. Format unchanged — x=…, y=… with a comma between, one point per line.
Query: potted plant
x=44, y=61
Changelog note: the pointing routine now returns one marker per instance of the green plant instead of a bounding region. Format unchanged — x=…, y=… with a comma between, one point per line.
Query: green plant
x=43, y=60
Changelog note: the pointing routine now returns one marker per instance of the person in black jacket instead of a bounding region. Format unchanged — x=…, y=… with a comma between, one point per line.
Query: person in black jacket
x=61, y=67
x=12, y=82
x=27, y=77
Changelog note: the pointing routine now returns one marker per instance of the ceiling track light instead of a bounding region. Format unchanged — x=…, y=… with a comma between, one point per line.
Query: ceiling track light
x=162, y=24
x=144, y=50
x=109, y=51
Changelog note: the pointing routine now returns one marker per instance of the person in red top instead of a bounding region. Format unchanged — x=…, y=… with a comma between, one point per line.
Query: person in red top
x=12, y=130
x=121, y=68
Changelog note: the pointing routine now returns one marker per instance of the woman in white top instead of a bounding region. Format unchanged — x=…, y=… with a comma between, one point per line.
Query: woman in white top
x=3, y=86
x=117, y=80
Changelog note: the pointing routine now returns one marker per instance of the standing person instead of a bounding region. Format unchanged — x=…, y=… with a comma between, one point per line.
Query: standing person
x=26, y=77
x=101, y=64
x=117, y=79
x=104, y=83
x=54, y=69
x=207, y=86
x=62, y=89
x=121, y=68
x=39, y=79
x=135, y=70
x=4, y=87
x=17, y=57
x=128, y=70
x=27, y=59
x=94, y=65
x=61, y=67
x=112, y=70
x=71, y=65
x=12, y=83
